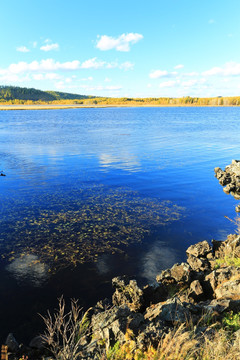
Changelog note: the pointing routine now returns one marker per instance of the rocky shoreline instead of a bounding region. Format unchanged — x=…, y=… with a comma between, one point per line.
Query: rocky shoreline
x=230, y=178
x=193, y=296
x=202, y=286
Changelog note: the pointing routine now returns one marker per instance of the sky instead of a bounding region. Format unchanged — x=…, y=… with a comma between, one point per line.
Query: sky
x=122, y=48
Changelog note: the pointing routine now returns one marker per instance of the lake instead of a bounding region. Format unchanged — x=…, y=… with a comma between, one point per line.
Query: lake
x=90, y=194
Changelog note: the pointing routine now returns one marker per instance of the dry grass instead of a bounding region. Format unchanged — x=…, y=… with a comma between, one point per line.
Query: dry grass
x=181, y=344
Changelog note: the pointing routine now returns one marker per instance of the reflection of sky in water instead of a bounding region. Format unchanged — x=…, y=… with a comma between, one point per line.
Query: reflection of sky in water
x=28, y=269
x=158, y=258
x=122, y=160
x=102, y=265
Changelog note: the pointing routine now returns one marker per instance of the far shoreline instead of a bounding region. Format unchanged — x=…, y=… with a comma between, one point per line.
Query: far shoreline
x=77, y=106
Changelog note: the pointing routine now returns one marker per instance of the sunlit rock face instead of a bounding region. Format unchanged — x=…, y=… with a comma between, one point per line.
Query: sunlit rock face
x=29, y=269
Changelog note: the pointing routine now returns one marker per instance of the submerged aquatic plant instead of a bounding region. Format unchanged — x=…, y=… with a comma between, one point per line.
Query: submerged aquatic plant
x=79, y=228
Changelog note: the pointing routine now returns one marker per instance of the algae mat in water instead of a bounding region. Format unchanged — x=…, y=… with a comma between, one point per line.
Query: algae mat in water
x=79, y=226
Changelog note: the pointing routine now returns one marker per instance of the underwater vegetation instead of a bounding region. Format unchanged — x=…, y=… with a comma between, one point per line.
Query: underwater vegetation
x=62, y=230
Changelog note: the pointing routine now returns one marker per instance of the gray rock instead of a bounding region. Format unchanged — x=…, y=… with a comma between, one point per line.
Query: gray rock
x=154, y=294
x=231, y=178
x=196, y=290
x=198, y=264
x=171, y=310
x=180, y=273
x=150, y=334
x=222, y=305
x=12, y=343
x=38, y=342
x=201, y=249
x=222, y=275
x=228, y=290
x=127, y=293
x=111, y=325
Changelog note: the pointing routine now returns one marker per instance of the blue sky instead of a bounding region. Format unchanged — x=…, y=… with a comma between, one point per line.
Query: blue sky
x=122, y=48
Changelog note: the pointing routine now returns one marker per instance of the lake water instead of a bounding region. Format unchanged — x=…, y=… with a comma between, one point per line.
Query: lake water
x=90, y=194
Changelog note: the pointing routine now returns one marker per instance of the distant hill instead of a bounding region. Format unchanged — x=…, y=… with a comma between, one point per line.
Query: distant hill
x=66, y=96
x=19, y=93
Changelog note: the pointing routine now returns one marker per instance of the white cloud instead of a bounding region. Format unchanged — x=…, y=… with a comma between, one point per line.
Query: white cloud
x=169, y=83
x=107, y=79
x=89, y=78
x=193, y=73
x=93, y=64
x=156, y=74
x=49, y=47
x=60, y=85
x=34, y=44
x=127, y=65
x=47, y=76
x=43, y=65
x=23, y=49
x=38, y=76
x=211, y=21
x=120, y=43
x=189, y=83
x=229, y=69
x=180, y=66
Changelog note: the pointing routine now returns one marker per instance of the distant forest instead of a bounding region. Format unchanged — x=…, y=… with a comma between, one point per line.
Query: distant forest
x=17, y=95
x=8, y=93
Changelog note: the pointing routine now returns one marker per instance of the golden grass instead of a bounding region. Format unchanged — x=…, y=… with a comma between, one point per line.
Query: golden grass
x=180, y=344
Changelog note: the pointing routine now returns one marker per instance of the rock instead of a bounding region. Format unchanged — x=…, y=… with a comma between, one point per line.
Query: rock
x=12, y=343
x=216, y=245
x=196, y=290
x=228, y=290
x=222, y=275
x=150, y=334
x=231, y=178
x=198, y=264
x=222, y=305
x=179, y=273
x=199, y=250
x=111, y=325
x=237, y=208
x=171, y=310
x=127, y=293
x=153, y=294
x=38, y=342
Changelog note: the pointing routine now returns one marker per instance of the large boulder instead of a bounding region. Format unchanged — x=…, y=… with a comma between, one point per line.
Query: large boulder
x=196, y=291
x=12, y=343
x=228, y=290
x=198, y=264
x=153, y=294
x=222, y=305
x=230, y=178
x=222, y=275
x=171, y=310
x=127, y=293
x=199, y=250
x=110, y=326
x=179, y=273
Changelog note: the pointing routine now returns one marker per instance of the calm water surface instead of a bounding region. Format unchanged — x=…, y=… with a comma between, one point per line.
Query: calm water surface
x=94, y=193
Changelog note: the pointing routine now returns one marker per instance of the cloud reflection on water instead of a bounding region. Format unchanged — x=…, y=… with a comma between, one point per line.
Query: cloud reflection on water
x=123, y=160
x=158, y=258
x=29, y=269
